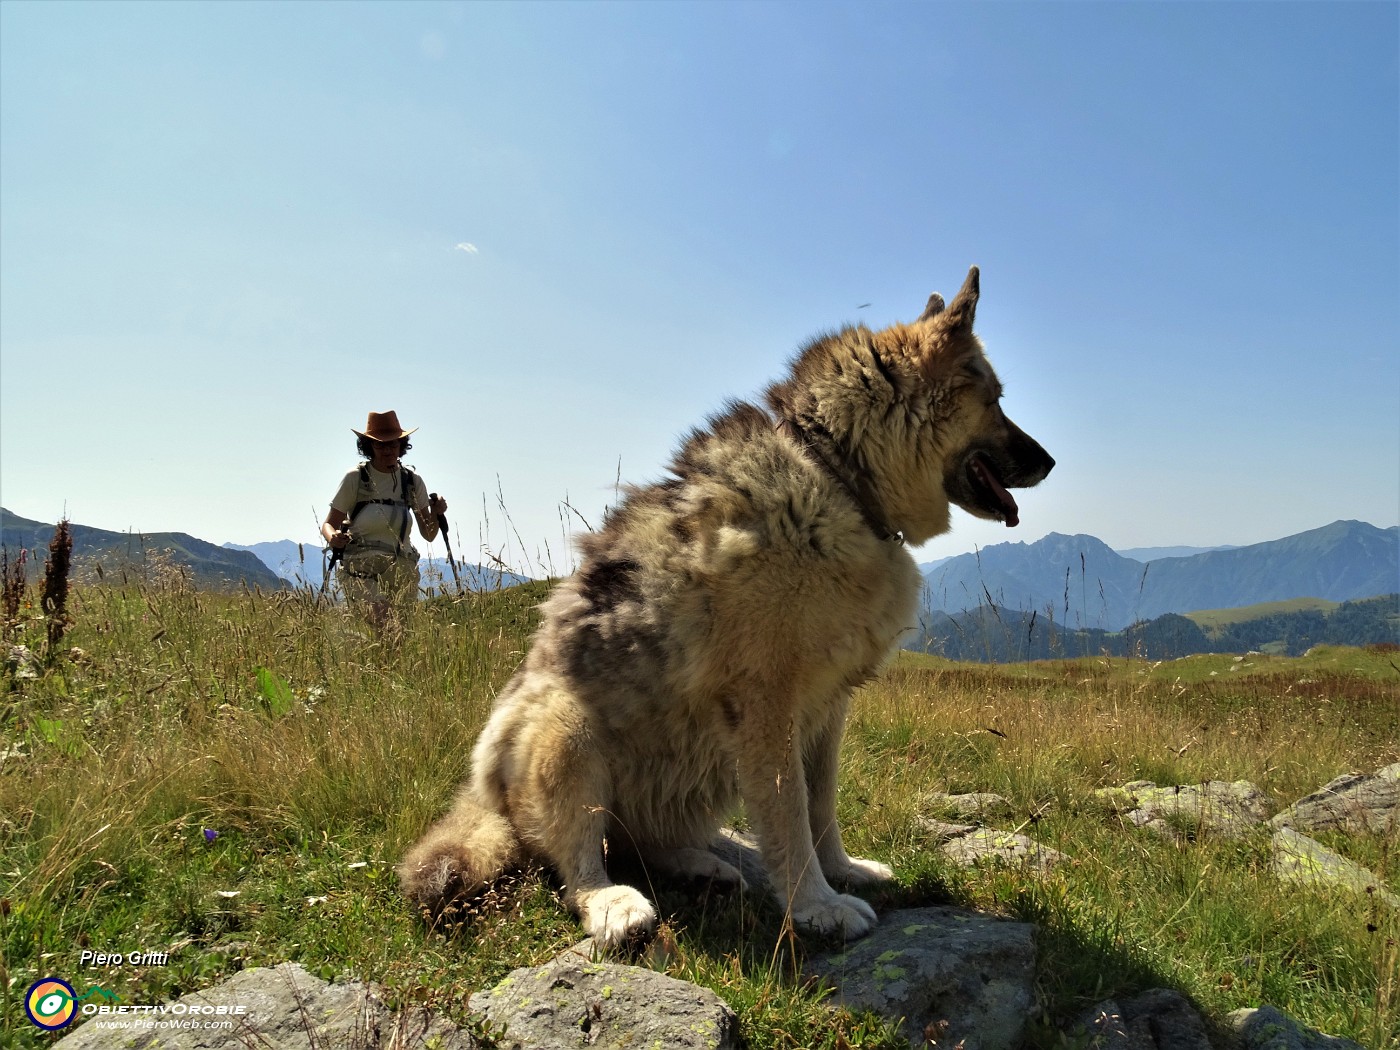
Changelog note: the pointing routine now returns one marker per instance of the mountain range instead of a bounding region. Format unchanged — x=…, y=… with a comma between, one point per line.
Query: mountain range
x=99, y=553
x=1080, y=582
x=299, y=563
x=1077, y=582
x=139, y=554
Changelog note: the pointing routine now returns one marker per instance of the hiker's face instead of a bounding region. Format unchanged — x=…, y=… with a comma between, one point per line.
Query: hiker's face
x=386, y=455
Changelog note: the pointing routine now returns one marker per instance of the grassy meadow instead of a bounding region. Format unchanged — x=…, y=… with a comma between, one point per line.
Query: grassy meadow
x=230, y=779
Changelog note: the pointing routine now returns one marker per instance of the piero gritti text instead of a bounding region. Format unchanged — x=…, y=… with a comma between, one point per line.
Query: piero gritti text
x=91, y=958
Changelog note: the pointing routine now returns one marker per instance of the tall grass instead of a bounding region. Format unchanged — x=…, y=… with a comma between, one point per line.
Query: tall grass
x=231, y=778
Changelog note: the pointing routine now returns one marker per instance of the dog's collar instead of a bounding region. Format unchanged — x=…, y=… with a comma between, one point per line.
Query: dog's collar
x=849, y=478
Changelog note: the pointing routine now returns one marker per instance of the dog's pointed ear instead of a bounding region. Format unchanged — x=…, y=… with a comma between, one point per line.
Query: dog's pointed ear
x=962, y=309
x=934, y=307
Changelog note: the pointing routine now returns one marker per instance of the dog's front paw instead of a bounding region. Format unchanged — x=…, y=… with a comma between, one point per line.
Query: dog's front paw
x=616, y=915
x=839, y=915
x=857, y=871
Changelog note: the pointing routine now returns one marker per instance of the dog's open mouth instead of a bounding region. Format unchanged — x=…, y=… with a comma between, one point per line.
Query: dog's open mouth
x=991, y=492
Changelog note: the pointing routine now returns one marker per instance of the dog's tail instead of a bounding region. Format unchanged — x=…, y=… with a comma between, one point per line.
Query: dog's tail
x=459, y=856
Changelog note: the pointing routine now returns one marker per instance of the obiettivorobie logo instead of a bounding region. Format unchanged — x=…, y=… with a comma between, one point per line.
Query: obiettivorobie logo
x=52, y=1003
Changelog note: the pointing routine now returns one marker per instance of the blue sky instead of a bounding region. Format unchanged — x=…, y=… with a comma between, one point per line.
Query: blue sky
x=556, y=236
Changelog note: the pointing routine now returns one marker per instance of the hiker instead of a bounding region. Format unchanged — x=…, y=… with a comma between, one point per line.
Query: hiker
x=370, y=516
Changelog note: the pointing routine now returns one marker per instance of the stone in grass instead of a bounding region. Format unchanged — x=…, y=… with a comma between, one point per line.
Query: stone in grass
x=21, y=662
x=1218, y=807
x=954, y=976
x=940, y=831
x=989, y=846
x=1268, y=1028
x=1298, y=858
x=968, y=846
x=284, y=1008
x=577, y=1001
x=974, y=805
x=1352, y=802
x=1158, y=1019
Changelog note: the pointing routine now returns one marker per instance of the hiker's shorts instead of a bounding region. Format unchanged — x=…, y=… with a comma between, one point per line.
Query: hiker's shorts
x=372, y=578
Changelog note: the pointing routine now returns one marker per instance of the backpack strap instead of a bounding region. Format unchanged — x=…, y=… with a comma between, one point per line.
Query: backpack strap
x=406, y=479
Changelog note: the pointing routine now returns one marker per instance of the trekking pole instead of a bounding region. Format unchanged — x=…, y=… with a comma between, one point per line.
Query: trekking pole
x=442, y=524
x=337, y=556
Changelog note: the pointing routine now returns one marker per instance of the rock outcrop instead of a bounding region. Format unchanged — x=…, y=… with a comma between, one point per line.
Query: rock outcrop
x=577, y=1001
x=1217, y=807
x=1158, y=1019
x=956, y=977
x=1353, y=802
x=1298, y=858
x=967, y=846
x=1266, y=1028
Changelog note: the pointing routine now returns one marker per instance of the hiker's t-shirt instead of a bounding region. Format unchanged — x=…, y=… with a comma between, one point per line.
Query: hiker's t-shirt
x=378, y=525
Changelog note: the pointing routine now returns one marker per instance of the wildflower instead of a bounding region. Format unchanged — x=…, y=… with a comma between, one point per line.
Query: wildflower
x=55, y=595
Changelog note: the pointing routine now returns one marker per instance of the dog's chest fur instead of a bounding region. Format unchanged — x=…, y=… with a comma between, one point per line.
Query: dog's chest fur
x=749, y=578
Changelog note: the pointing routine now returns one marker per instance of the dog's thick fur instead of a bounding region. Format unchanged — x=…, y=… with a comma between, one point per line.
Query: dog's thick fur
x=707, y=647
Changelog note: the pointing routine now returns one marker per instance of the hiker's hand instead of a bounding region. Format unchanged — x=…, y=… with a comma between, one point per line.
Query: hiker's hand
x=437, y=506
x=340, y=539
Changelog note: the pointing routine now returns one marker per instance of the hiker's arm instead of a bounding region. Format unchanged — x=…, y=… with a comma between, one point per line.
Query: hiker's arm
x=428, y=517
x=333, y=529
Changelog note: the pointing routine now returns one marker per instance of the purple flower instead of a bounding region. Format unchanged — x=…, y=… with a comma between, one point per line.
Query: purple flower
x=210, y=834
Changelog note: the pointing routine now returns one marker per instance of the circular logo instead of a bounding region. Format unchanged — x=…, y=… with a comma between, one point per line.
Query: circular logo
x=51, y=1003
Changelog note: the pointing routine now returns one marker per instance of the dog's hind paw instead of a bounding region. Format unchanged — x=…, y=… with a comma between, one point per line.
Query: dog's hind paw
x=697, y=864
x=857, y=871
x=616, y=916
x=839, y=915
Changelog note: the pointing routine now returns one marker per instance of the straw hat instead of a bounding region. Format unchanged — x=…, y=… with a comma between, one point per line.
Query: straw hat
x=383, y=426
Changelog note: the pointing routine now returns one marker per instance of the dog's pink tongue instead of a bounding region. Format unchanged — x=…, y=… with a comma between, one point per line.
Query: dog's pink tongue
x=1010, y=511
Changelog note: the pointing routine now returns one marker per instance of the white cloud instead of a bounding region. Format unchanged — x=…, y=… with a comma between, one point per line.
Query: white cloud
x=465, y=246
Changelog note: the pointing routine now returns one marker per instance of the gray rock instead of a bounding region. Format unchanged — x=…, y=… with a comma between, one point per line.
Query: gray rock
x=1102, y=1027
x=1268, y=1028
x=283, y=1008
x=1216, y=807
x=953, y=974
x=940, y=831
x=21, y=662
x=1298, y=858
x=989, y=846
x=1158, y=1019
x=1353, y=802
x=968, y=846
x=975, y=805
x=575, y=1001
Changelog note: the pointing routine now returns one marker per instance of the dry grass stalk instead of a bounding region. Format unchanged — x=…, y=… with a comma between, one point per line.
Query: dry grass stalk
x=11, y=588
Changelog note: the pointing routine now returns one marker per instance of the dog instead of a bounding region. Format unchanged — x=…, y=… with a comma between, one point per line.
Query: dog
x=706, y=648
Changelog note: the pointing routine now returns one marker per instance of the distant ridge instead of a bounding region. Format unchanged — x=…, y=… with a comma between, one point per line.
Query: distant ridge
x=138, y=553
x=1078, y=581
x=991, y=635
x=1146, y=554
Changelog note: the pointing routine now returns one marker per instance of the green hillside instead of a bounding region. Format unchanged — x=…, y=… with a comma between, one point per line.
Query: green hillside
x=991, y=634
x=1212, y=620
